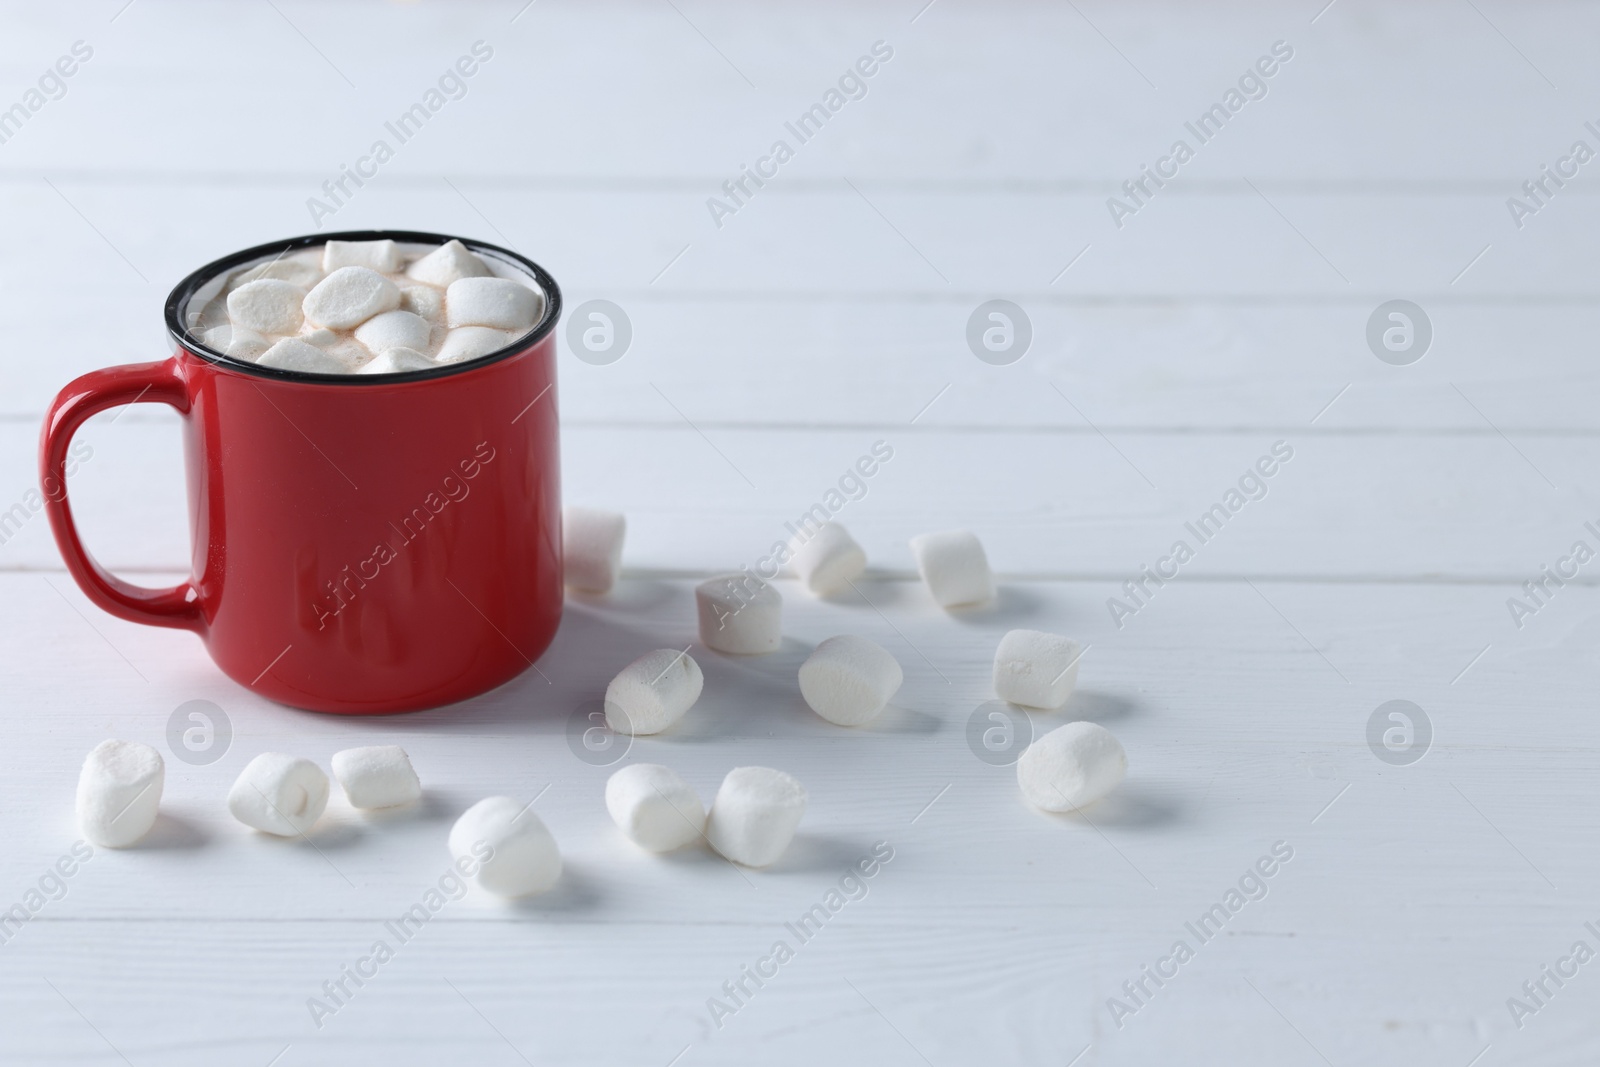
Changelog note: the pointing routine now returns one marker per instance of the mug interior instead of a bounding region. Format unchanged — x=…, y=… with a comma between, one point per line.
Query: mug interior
x=187, y=306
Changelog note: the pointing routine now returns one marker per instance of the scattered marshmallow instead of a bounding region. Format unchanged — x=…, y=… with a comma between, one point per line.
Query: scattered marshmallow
x=517, y=853
x=591, y=544
x=279, y=794
x=954, y=567
x=470, y=342
x=294, y=354
x=350, y=296
x=321, y=336
x=423, y=300
x=497, y=302
x=396, y=361
x=848, y=680
x=381, y=256
x=754, y=815
x=394, y=329
x=1071, y=767
x=739, y=614
x=376, y=776
x=267, y=306
x=119, y=792
x=1036, y=669
x=657, y=809
x=829, y=560
x=448, y=264
x=653, y=692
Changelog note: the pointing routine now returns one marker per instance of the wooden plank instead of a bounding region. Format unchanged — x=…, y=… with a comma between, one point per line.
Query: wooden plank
x=850, y=326
x=703, y=498
x=1034, y=91
x=1239, y=733
x=833, y=240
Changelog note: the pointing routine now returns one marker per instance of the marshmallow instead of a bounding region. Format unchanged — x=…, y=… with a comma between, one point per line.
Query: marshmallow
x=423, y=300
x=267, y=306
x=447, y=264
x=1036, y=670
x=350, y=296
x=739, y=614
x=754, y=815
x=470, y=342
x=279, y=794
x=294, y=354
x=320, y=336
x=396, y=361
x=518, y=854
x=591, y=544
x=498, y=302
x=381, y=256
x=1071, y=767
x=954, y=567
x=848, y=680
x=236, y=341
x=829, y=560
x=395, y=329
x=119, y=792
x=301, y=270
x=656, y=809
x=350, y=353
x=377, y=776
x=653, y=692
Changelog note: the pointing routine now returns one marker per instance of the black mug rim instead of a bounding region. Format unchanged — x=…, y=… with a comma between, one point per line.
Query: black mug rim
x=185, y=289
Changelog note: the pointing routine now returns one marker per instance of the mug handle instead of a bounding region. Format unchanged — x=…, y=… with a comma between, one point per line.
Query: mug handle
x=177, y=606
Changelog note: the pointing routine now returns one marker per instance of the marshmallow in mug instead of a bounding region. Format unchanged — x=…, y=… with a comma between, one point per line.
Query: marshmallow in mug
x=369, y=308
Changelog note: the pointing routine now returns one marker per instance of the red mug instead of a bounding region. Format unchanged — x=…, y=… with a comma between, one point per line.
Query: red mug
x=359, y=544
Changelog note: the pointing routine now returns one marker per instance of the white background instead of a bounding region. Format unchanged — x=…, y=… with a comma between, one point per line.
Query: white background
x=830, y=312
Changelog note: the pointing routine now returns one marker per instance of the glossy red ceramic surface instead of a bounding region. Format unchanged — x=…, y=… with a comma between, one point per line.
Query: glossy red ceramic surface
x=358, y=546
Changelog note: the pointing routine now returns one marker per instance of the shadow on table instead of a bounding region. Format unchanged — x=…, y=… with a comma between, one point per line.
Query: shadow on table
x=173, y=833
x=575, y=892
x=1012, y=606
x=626, y=597
x=432, y=806
x=812, y=853
x=1133, y=806
x=896, y=719
x=807, y=853
x=592, y=644
x=1094, y=705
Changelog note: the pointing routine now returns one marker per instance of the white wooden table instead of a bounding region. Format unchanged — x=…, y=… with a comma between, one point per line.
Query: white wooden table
x=829, y=312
